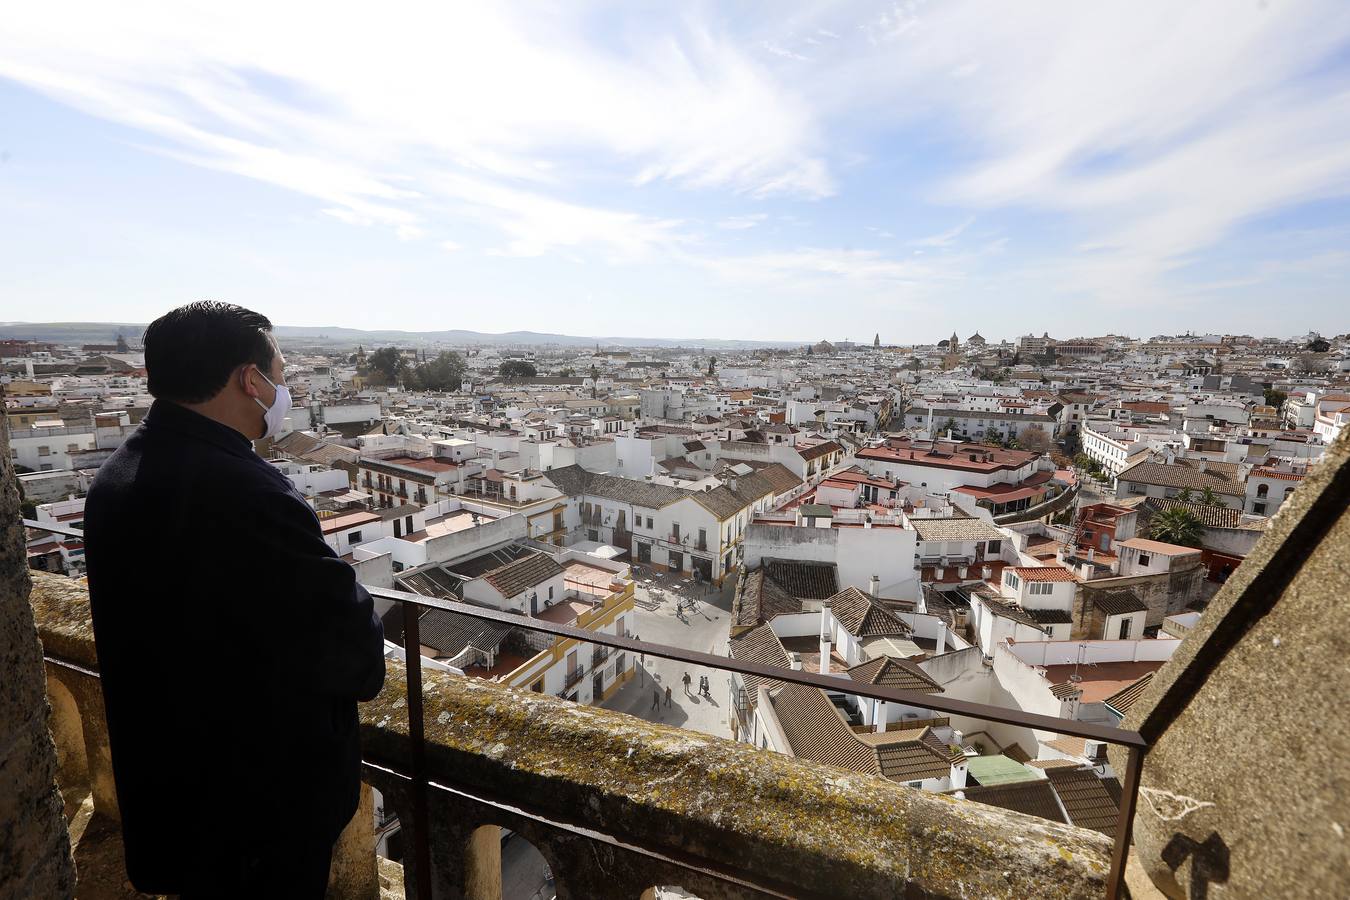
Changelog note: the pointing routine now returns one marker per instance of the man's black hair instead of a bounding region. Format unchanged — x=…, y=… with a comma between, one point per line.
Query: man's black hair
x=191, y=351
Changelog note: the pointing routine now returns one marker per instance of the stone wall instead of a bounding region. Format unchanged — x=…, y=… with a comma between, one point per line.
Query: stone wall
x=35, y=856
x=1245, y=791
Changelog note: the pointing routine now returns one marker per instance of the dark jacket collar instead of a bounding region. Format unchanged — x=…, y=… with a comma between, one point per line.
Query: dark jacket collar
x=166, y=414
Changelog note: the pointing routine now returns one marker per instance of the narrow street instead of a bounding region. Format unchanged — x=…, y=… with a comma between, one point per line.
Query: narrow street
x=703, y=627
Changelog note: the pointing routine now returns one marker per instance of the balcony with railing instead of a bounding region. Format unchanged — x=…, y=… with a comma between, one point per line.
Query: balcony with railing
x=616, y=805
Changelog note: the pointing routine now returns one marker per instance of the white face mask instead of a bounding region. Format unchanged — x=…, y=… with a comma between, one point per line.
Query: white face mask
x=274, y=415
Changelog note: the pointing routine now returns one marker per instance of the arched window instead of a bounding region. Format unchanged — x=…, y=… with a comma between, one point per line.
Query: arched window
x=1287, y=492
x=1262, y=490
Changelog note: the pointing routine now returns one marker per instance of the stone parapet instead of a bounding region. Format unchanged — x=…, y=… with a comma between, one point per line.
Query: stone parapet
x=618, y=806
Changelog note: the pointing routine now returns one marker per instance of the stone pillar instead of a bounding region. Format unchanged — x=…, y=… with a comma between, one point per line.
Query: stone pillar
x=352, y=875
x=35, y=856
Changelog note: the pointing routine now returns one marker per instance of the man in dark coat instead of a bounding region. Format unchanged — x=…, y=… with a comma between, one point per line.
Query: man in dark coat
x=233, y=643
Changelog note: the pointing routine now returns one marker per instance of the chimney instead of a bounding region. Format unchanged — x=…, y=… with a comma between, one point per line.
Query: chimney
x=825, y=653
x=881, y=717
x=1091, y=553
x=874, y=586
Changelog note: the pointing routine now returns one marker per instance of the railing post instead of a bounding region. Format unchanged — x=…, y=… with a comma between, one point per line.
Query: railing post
x=1129, y=797
x=412, y=646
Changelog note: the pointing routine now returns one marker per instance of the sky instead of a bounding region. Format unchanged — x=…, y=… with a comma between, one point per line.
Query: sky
x=761, y=171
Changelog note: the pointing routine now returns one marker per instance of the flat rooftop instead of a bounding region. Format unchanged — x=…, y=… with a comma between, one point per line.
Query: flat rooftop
x=1103, y=679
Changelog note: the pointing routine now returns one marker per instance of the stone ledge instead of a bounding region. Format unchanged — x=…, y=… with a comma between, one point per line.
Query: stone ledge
x=771, y=817
x=61, y=610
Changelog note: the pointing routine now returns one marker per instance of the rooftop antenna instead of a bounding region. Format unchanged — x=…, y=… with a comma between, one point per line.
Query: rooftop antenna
x=1081, y=660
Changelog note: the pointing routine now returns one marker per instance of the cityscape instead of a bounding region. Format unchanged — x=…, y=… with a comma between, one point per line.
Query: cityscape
x=515, y=451
x=1033, y=523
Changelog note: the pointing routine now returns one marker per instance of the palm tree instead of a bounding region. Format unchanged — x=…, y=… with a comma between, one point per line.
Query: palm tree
x=1209, y=498
x=1185, y=496
x=1177, y=525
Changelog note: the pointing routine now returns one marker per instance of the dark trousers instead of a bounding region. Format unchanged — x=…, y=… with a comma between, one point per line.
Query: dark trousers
x=291, y=868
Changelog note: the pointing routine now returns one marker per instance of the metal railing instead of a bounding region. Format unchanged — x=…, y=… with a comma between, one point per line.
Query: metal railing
x=1135, y=744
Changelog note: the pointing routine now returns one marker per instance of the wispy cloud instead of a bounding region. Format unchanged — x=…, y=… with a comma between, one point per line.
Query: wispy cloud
x=391, y=118
x=740, y=223
x=945, y=238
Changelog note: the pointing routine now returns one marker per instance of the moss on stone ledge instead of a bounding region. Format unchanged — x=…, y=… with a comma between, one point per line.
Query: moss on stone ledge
x=821, y=829
x=61, y=610
x=772, y=817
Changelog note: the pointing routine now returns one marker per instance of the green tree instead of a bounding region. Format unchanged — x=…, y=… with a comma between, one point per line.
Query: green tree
x=1209, y=498
x=1177, y=525
x=444, y=373
x=950, y=426
x=1083, y=461
x=993, y=436
x=712, y=365
x=517, y=368
x=385, y=364
x=1275, y=398
x=1186, y=496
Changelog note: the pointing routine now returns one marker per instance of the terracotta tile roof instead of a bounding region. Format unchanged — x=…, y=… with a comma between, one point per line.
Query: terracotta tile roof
x=1179, y=476
x=1034, y=798
x=760, y=598
x=862, y=617
x=574, y=481
x=1054, y=764
x=819, y=450
x=1116, y=601
x=955, y=529
x=759, y=646
x=1209, y=516
x=804, y=580
x=1122, y=700
x=910, y=755
x=1273, y=473
x=1044, y=573
x=1085, y=799
x=1010, y=611
x=816, y=731
x=896, y=673
x=522, y=574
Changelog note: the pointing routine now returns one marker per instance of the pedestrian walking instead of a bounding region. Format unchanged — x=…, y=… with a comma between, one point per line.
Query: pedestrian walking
x=656, y=699
x=667, y=695
x=687, y=679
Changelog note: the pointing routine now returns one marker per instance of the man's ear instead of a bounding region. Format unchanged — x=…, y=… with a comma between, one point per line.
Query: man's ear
x=245, y=382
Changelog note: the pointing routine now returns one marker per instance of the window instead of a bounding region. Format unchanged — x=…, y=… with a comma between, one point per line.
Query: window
x=72, y=448
x=550, y=592
x=1042, y=587
x=1262, y=490
x=398, y=528
x=675, y=530
x=649, y=522
x=1259, y=509
x=995, y=546
x=44, y=450
x=1144, y=559
x=1124, y=629
x=354, y=537
x=45, y=467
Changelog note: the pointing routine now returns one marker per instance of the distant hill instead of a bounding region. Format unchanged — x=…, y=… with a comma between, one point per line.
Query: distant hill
x=107, y=332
